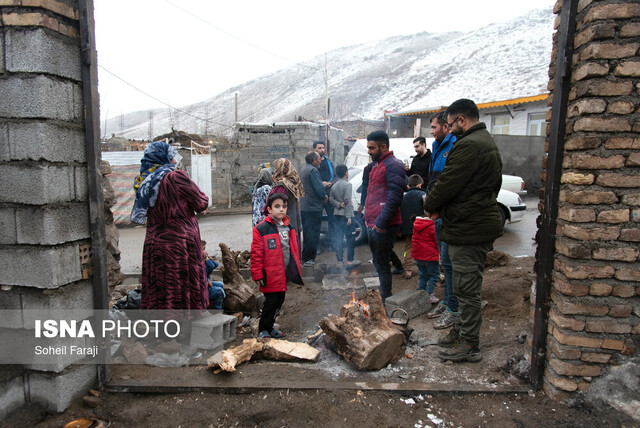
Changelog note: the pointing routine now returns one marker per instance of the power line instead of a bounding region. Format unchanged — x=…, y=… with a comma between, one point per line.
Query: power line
x=241, y=39
x=162, y=102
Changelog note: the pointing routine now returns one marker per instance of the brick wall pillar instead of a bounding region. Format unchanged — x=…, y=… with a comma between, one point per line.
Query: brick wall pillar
x=594, y=308
x=44, y=209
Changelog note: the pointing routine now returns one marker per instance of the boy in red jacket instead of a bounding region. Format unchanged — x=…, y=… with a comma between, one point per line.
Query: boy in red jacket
x=425, y=252
x=275, y=259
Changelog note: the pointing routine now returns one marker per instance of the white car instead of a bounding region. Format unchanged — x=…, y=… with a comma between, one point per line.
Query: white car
x=510, y=205
x=514, y=184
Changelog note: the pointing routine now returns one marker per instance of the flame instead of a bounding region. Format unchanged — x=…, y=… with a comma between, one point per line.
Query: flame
x=364, y=308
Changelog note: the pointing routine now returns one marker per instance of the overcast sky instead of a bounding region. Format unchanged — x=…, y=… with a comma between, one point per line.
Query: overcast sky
x=185, y=51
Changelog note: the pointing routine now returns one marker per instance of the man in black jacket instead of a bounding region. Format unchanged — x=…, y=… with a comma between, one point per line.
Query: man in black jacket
x=422, y=160
x=465, y=198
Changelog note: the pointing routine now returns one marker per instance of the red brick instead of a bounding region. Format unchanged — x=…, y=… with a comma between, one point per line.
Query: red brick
x=566, y=323
x=627, y=274
x=583, y=161
x=573, y=249
x=589, y=69
x=617, y=345
x=580, y=143
x=585, y=106
x=583, y=386
x=630, y=235
x=568, y=369
x=620, y=107
x=623, y=291
x=577, y=178
x=591, y=234
x=622, y=143
x=612, y=11
x=578, y=271
x=621, y=311
x=631, y=199
x=554, y=393
x=624, y=254
x=636, y=329
x=609, y=51
x=600, y=289
x=577, y=215
x=595, y=357
x=563, y=383
x=589, y=197
x=635, y=215
x=633, y=159
x=594, y=32
x=582, y=341
x=613, y=327
x=598, y=124
x=618, y=180
x=613, y=216
x=568, y=308
x=561, y=351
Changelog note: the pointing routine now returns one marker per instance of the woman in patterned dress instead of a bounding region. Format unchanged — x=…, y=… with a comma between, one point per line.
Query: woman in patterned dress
x=173, y=273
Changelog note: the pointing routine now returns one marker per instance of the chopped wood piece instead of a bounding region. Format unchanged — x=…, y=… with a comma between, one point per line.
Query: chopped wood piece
x=283, y=350
x=229, y=359
x=240, y=296
x=366, y=342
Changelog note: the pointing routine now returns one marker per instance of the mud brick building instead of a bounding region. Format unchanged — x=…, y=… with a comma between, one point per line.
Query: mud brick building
x=593, y=327
x=51, y=206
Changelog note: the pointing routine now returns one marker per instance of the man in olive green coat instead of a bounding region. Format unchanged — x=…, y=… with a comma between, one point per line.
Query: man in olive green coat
x=465, y=198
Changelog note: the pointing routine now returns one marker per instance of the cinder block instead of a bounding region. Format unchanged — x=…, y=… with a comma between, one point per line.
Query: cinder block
x=40, y=97
x=8, y=235
x=36, y=184
x=11, y=396
x=57, y=391
x=40, y=267
x=81, y=184
x=415, y=302
x=41, y=140
x=1, y=69
x=51, y=225
x=39, y=51
x=208, y=332
x=229, y=328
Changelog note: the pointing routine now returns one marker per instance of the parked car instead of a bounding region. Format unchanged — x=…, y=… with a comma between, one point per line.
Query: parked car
x=510, y=204
x=514, y=184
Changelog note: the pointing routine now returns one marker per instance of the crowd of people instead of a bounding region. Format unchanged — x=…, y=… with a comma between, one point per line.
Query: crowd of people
x=444, y=204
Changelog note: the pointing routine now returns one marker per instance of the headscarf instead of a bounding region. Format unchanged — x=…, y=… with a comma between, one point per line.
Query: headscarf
x=155, y=163
x=264, y=179
x=284, y=173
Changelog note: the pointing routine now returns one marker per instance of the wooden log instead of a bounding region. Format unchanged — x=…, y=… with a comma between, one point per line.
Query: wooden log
x=229, y=359
x=366, y=342
x=240, y=296
x=283, y=350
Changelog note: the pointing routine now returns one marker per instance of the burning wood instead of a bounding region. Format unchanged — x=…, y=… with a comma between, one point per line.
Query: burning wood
x=364, y=335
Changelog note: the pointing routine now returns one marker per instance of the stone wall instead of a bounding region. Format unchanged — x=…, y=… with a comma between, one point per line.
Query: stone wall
x=44, y=209
x=594, y=306
x=237, y=162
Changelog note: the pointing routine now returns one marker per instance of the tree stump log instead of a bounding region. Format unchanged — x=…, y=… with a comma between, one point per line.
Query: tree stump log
x=240, y=296
x=366, y=342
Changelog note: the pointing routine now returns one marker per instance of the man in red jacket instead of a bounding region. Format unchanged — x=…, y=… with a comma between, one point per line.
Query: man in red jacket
x=382, y=207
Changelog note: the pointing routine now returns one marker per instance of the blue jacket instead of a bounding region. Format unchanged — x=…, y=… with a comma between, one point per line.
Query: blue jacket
x=438, y=158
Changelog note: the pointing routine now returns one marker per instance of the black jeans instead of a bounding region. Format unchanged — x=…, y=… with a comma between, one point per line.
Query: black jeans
x=343, y=231
x=272, y=304
x=311, y=221
x=381, y=245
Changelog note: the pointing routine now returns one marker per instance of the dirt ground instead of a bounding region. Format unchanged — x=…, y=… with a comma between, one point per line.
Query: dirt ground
x=504, y=367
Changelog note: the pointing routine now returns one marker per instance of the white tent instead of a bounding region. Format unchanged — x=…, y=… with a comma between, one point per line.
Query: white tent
x=402, y=148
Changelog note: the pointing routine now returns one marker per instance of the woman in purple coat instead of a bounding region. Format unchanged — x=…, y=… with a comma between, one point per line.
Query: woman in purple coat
x=173, y=272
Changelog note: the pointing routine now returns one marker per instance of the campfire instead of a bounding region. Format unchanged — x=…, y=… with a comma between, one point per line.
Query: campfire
x=363, y=334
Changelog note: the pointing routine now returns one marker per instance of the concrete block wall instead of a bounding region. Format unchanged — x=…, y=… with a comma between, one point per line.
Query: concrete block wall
x=254, y=144
x=44, y=209
x=594, y=317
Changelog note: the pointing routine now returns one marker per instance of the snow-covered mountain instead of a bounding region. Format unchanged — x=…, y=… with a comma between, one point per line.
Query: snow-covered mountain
x=499, y=61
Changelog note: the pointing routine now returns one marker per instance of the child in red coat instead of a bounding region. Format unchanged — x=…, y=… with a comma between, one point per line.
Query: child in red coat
x=425, y=252
x=275, y=259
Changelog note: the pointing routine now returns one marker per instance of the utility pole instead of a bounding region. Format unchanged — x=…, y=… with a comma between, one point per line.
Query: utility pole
x=236, y=110
x=328, y=112
x=150, y=128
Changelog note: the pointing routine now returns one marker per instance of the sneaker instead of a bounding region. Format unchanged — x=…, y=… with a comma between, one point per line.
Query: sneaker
x=462, y=352
x=309, y=263
x=448, y=319
x=276, y=334
x=353, y=263
x=451, y=340
x=263, y=334
x=437, y=311
x=433, y=299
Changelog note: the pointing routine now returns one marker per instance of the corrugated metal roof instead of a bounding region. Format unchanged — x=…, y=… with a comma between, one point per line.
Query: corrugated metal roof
x=481, y=106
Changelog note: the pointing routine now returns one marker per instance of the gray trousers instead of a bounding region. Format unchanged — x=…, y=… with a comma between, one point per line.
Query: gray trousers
x=468, y=265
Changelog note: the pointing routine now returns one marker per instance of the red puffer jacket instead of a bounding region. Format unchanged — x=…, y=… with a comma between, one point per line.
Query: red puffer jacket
x=387, y=182
x=424, y=244
x=267, y=258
